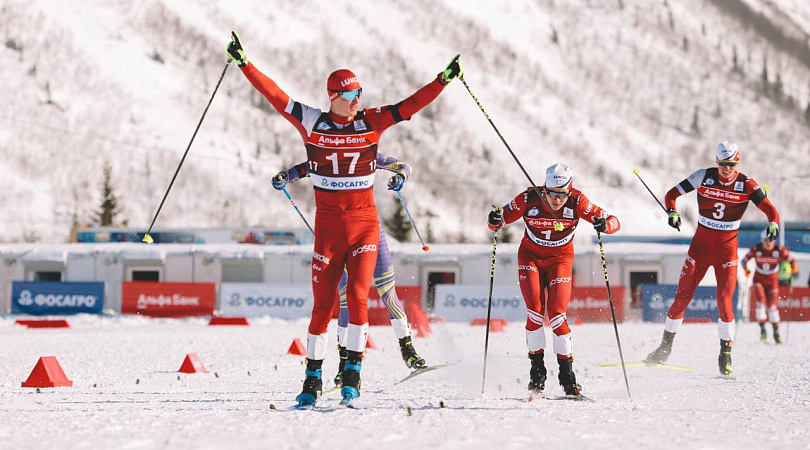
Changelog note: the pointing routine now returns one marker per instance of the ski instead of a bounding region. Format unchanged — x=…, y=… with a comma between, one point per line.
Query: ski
x=535, y=393
x=348, y=402
x=426, y=369
x=727, y=376
x=332, y=391
x=646, y=364
x=576, y=398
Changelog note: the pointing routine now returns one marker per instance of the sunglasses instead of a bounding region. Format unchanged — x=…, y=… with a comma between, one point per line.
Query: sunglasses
x=350, y=95
x=727, y=163
x=557, y=195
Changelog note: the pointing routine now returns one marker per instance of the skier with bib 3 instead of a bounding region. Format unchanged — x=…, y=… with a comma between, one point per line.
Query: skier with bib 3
x=723, y=195
x=545, y=265
x=341, y=146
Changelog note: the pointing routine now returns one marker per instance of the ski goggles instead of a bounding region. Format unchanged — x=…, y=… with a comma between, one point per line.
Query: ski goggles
x=347, y=95
x=557, y=195
x=727, y=163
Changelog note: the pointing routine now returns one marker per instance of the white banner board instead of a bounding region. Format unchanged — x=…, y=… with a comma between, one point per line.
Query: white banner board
x=465, y=302
x=284, y=301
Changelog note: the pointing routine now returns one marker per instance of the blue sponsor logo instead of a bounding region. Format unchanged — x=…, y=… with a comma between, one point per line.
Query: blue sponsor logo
x=657, y=299
x=476, y=302
x=269, y=301
x=48, y=297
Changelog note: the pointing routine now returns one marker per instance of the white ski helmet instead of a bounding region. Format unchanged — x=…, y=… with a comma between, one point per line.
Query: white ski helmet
x=559, y=176
x=727, y=151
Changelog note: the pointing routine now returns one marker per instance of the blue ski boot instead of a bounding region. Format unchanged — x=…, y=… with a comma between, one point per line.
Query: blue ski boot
x=351, y=378
x=313, y=386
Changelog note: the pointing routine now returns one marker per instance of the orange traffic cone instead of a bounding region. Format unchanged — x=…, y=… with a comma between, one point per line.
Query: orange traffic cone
x=47, y=373
x=578, y=321
x=192, y=364
x=370, y=343
x=297, y=348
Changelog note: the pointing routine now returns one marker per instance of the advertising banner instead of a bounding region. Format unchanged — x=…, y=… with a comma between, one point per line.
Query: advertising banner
x=284, y=301
x=657, y=298
x=463, y=303
x=799, y=303
x=168, y=299
x=56, y=297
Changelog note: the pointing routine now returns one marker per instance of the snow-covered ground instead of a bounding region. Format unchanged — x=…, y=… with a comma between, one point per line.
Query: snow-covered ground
x=127, y=393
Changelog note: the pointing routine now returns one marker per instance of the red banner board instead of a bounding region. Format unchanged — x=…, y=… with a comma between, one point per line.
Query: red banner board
x=799, y=305
x=591, y=304
x=168, y=299
x=377, y=312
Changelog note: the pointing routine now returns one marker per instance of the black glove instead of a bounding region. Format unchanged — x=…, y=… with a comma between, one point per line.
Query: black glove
x=495, y=221
x=600, y=224
x=674, y=219
x=396, y=182
x=279, y=181
x=235, y=50
x=452, y=71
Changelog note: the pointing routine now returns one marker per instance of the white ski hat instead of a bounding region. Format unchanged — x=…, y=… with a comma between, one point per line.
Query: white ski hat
x=559, y=176
x=728, y=151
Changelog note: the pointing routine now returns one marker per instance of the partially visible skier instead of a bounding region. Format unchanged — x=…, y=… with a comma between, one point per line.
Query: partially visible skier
x=723, y=195
x=545, y=265
x=341, y=147
x=768, y=256
x=384, y=277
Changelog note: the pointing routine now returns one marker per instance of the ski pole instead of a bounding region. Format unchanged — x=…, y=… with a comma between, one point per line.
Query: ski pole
x=301, y=215
x=635, y=171
x=489, y=306
x=558, y=226
x=402, y=200
x=612, y=312
x=147, y=237
x=790, y=304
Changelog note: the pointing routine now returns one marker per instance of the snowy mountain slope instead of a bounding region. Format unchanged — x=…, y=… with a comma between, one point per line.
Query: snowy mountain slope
x=603, y=86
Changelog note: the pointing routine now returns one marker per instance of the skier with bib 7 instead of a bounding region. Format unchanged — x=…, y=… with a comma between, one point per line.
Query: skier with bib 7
x=545, y=265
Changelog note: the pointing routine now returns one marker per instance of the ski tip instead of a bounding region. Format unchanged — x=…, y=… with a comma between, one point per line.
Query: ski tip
x=148, y=239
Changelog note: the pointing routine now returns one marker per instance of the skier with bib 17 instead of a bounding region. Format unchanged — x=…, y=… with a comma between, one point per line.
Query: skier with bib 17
x=765, y=287
x=545, y=265
x=384, y=278
x=723, y=195
x=341, y=146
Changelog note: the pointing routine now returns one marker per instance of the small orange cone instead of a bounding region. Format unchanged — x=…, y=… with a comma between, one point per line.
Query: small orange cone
x=192, y=364
x=370, y=343
x=47, y=373
x=237, y=321
x=578, y=321
x=297, y=348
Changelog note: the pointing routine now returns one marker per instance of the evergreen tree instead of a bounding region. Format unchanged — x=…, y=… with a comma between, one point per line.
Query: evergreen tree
x=505, y=235
x=109, y=202
x=696, y=122
x=429, y=236
x=765, y=82
x=398, y=225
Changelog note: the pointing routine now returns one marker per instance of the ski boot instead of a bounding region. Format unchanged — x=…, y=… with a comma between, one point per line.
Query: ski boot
x=412, y=360
x=537, y=374
x=351, y=377
x=776, y=337
x=724, y=360
x=661, y=354
x=344, y=356
x=568, y=380
x=763, y=335
x=313, y=386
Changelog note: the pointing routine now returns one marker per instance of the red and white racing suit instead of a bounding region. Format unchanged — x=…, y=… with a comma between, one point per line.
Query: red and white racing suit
x=721, y=204
x=546, y=261
x=342, y=154
x=765, y=287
